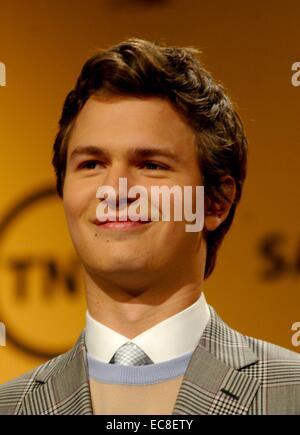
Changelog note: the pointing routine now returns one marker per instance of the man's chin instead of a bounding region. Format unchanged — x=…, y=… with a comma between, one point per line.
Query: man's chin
x=118, y=268
x=132, y=277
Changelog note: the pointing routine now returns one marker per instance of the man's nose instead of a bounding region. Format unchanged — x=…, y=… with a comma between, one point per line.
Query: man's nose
x=120, y=178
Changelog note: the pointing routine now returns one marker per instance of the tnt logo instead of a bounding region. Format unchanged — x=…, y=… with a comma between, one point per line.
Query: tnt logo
x=42, y=301
x=2, y=335
x=2, y=74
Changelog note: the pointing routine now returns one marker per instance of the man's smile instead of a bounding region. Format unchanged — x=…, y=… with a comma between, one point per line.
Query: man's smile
x=120, y=225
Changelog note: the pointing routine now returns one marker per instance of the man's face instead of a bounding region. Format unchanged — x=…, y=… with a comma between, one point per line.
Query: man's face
x=119, y=130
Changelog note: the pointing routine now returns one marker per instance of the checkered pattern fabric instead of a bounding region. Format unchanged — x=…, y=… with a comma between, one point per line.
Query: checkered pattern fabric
x=130, y=355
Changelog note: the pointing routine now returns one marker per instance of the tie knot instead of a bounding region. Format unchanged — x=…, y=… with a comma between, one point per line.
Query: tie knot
x=130, y=355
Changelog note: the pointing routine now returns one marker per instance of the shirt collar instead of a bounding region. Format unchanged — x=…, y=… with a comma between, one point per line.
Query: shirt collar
x=167, y=340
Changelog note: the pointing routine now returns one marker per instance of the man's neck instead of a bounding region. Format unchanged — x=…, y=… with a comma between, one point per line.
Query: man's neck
x=130, y=315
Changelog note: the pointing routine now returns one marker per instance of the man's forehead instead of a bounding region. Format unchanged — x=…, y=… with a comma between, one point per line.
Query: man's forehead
x=115, y=103
x=132, y=109
x=136, y=130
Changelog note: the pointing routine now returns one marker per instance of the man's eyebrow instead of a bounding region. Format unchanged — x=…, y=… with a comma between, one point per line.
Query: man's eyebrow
x=145, y=152
x=87, y=150
x=152, y=152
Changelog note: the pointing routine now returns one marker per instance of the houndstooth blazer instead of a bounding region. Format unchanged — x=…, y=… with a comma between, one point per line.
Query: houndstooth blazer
x=229, y=374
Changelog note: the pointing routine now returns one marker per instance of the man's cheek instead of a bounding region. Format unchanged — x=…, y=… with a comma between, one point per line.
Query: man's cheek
x=70, y=211
x=75, y=203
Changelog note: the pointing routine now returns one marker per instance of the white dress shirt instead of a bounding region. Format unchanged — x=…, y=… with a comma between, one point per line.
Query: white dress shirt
x=169, y=339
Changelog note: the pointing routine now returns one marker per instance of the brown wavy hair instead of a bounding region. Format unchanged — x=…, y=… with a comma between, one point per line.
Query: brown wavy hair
x=141, y=68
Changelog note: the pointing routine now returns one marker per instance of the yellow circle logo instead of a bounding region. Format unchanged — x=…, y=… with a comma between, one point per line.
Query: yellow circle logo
x=42, y=302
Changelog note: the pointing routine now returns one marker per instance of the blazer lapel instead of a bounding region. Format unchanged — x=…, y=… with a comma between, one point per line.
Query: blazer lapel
x=64, y=387
x=214, y=382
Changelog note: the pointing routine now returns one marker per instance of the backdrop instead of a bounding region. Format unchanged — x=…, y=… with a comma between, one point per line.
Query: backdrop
x=253, y=48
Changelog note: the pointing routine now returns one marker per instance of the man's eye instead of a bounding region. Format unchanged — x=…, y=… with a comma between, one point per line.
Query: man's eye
x=152, y=165
x=90, y=164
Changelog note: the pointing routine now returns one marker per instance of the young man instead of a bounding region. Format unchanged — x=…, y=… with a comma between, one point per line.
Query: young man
x=152, y=115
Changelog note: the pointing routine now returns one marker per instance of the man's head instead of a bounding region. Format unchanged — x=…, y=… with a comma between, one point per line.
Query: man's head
x=143, y=95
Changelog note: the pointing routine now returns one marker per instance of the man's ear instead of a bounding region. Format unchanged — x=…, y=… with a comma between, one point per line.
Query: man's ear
x=216, y=212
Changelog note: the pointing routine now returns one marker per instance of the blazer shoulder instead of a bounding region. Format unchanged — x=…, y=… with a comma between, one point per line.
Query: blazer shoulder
x=278, y=370
x=13, y=392
x=270, y=352
x=241, y=351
